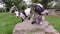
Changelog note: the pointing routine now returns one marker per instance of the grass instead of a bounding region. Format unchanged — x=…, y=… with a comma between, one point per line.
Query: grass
x=7, y=23
x=55, y=21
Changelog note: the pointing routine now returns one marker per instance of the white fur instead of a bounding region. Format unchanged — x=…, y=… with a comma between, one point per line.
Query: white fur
x=27, y=11
x=40, y=5
x=44, y=12
x=22, y=15
x=43, y=16
x=17, y=13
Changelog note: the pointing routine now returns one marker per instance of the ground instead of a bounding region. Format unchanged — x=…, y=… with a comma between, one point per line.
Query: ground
x=8, y=21
x=26, y=27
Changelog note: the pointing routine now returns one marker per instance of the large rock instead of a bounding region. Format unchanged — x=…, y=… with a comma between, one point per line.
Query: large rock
x=27, y=28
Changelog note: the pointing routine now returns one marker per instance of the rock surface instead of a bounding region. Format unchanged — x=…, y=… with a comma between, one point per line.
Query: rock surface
x=27, y=28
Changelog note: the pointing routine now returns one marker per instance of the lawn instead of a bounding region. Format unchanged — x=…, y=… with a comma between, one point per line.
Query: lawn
x=7, y=23
x=55, y=21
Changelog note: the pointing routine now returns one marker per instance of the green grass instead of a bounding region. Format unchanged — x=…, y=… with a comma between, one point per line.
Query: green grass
x=55, y=21
x=7, y=23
